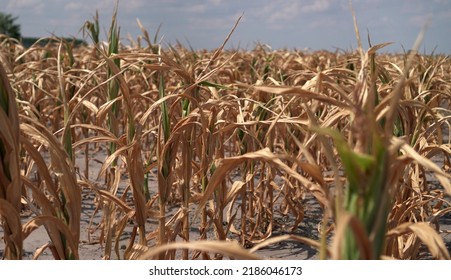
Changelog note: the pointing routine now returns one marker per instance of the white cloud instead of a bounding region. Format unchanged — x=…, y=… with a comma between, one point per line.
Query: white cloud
x=197, y=8
x=37, y=6
x=285, y=14
x=213, y=23
x=203, y=7
x=316, y=6
x=23, y=4
x=132, y=5
x=215, y=2
x=74, y=6
x=279, y=12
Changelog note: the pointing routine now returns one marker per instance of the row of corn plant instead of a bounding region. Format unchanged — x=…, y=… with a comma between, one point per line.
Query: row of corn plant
x=203, y=147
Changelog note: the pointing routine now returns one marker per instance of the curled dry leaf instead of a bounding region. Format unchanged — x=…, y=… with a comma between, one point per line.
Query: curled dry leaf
x=427, y=234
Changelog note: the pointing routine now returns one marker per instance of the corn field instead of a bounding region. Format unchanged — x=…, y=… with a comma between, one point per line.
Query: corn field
x=154, y=152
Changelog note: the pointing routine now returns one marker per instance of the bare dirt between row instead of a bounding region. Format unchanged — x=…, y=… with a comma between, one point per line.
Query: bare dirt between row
x=90, y=247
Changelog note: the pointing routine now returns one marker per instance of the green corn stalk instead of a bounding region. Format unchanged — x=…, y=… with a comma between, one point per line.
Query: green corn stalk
x=112, y=120
x=267, y=69
x=365, y=196
x=113, y=85
x=366, y=166
x=93, y=29
x=66, y=139
x=164, y=162
x=264, y=139
x=133, y=157
x=155, y=49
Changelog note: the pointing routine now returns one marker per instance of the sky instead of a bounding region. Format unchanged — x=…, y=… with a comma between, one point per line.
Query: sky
x=291, y=24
